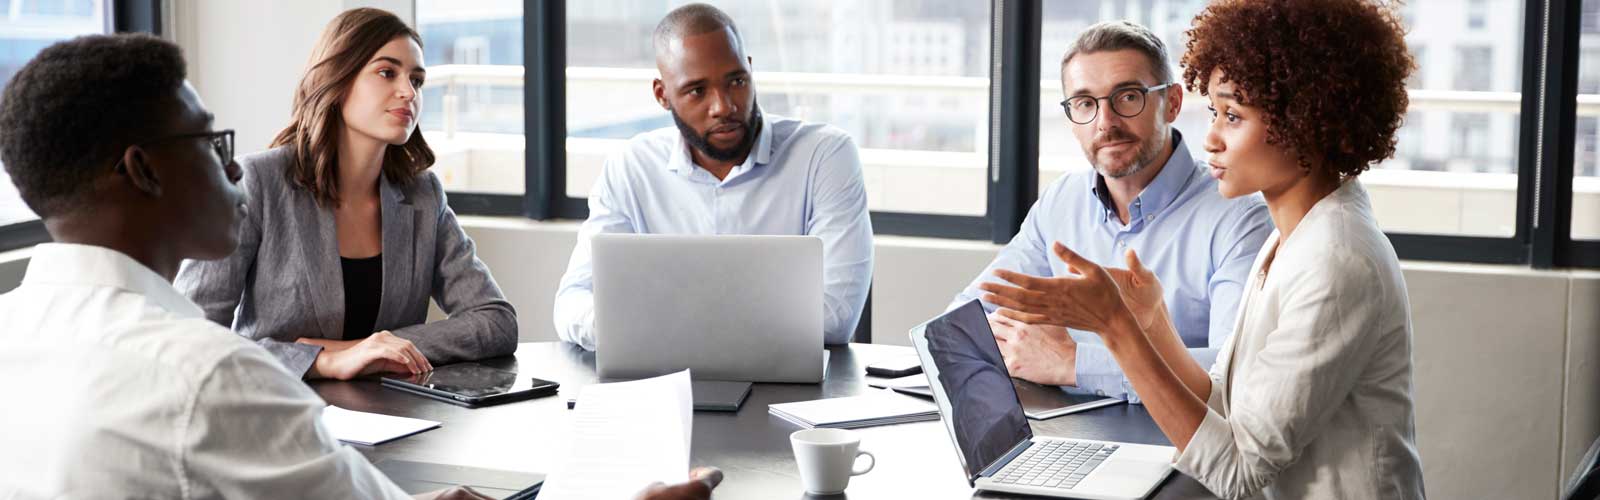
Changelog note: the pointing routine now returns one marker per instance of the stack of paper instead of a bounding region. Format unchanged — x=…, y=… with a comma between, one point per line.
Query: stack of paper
x=879, y=408
x=627, y=435
x=370, y=428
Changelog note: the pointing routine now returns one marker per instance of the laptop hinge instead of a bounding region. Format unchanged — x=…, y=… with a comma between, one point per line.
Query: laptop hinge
x=1001, y=462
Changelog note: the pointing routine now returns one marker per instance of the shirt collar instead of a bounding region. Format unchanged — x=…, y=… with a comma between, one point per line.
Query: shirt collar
x=760, y=154
x=1161, y=191
x=64, y=264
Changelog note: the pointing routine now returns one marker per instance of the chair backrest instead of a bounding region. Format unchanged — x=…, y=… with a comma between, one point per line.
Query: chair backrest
x=864, y=327
x=1585, y=481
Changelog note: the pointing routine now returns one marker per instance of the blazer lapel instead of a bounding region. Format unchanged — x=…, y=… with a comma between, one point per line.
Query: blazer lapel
x=399, y=251
x=324, y=277
x=1252, y=286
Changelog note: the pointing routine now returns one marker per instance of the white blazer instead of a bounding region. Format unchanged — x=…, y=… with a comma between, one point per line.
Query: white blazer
x=1311, y=397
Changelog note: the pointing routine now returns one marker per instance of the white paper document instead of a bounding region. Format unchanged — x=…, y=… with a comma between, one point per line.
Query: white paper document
x=370, y=428
x=867, y=410
x=625, y=436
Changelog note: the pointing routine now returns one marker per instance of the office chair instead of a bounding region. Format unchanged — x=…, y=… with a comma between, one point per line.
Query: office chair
x=1585, y=481
x=864, y=327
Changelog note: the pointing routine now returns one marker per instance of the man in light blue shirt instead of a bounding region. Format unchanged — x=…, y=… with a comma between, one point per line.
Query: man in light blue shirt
x=1146, y=193
x=726, y=169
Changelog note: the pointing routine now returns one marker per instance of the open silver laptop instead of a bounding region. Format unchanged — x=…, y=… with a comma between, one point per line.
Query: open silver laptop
x=744, y=308
x=996, y=447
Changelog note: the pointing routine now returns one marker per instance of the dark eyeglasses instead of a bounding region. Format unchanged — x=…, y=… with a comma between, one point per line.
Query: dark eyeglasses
x=1126, y=103
x=221, y=142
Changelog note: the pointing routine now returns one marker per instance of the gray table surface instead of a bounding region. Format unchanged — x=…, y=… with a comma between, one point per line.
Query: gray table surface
x=914, y=460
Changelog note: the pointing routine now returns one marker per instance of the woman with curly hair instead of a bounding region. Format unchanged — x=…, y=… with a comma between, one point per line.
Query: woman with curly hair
x=1312, y=395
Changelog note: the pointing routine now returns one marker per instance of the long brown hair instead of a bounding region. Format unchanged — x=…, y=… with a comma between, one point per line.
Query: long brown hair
x=316, y=123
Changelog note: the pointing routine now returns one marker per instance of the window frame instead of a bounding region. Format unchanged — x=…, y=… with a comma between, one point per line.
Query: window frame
x=1541, y=239
x=127, y=16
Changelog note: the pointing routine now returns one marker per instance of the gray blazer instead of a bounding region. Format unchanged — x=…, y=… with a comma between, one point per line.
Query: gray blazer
x=283, y=283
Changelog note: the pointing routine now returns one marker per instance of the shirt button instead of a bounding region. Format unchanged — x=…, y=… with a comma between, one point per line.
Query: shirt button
x=1149, y=217
x=1101, y=392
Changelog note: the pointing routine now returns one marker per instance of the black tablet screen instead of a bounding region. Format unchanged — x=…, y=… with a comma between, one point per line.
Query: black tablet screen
x=472, y=380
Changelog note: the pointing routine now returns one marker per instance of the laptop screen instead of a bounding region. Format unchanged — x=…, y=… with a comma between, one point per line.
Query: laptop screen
x=972, y=387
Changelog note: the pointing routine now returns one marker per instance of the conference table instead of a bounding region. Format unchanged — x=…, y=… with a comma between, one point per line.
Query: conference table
x=914, y=460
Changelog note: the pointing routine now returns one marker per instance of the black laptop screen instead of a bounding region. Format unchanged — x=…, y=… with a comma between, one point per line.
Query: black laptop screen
x=982, y=408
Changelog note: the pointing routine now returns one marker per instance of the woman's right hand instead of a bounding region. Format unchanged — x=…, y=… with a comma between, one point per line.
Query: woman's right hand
x=1140, y=290
x=383, y=352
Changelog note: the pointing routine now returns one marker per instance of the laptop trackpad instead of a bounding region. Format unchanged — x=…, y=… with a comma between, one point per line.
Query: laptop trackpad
x=1132, y=478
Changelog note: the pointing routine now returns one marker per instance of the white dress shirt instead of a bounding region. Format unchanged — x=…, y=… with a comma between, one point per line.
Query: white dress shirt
x=122, y=389
x=1311, y=398
x=799, y=179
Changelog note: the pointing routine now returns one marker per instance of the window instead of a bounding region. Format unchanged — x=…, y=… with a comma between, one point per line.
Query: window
x=1454, y=171
x=472, y=102
x=908, y=80
x=26, y=27
x=1589, y=20
x=1586, y=140
x=1477, y=14
x=1419, y=54
x=1473, y=67
x=913, y=83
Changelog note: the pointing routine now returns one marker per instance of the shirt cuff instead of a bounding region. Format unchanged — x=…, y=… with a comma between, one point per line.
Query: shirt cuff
x=297, y=357
x=1099, y=374
x=587, y=338
x=1208, y=452
x=1214, y=400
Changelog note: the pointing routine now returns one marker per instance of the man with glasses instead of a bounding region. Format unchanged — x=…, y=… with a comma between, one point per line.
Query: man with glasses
x=128, y=391
x=1146, y=195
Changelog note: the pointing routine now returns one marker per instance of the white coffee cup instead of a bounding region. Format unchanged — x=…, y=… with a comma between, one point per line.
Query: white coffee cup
x=827, y=458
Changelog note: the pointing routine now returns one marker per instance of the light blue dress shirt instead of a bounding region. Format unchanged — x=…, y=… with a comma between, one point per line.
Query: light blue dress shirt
x=800, y=179
x=1199, y=244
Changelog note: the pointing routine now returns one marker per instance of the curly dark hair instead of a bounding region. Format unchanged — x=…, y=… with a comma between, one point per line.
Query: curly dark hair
x=74, y=108
x=1329, y=75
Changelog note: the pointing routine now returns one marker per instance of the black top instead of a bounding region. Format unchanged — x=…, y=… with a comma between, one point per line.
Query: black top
x=363, y=289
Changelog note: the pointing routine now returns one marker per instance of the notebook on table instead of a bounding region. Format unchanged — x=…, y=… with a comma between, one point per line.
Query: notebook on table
x=877, y=408
x=1039, y=402
x=370, y=429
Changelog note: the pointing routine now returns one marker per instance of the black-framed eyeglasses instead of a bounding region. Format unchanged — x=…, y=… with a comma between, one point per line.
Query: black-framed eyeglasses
x=1127, y=103
x=221, y=141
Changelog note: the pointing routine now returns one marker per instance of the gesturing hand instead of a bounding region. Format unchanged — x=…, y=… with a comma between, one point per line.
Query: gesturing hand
x=1141, y=291
x=1088, y=300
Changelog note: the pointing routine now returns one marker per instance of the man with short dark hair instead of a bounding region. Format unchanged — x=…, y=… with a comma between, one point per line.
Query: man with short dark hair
x=131, y=392
x=726, y=169
x=1145, y=194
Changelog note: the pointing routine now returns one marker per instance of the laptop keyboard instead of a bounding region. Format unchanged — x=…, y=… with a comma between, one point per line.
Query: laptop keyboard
x=1055, y=464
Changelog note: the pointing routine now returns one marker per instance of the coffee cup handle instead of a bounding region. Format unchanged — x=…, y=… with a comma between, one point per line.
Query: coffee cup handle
x=872, y=462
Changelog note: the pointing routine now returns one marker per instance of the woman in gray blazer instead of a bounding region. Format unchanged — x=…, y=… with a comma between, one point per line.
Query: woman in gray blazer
x=348, y=235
